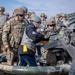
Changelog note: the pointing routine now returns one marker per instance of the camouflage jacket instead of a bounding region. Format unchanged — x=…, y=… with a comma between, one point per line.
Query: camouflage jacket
x=12, y=32
x=43, y=24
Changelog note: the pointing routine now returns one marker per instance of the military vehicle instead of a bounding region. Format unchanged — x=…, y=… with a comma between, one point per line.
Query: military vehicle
x=63, y=48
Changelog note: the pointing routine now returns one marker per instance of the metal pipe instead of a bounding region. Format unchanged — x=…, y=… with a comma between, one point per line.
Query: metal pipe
x=26, y=70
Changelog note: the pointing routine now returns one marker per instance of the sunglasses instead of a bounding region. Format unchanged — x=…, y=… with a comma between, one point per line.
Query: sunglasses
x=51, y=25
x=20, y=15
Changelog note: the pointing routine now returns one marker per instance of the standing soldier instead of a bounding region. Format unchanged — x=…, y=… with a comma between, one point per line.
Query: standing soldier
x=43, y=17
x=12, y=34
x=8, y=15
x=28, y=15
x=3, y=19
x=50, y=57
x=65, y=21
x=59, y=22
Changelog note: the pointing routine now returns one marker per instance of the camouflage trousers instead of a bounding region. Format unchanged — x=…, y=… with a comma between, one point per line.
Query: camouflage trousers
x=12, y=56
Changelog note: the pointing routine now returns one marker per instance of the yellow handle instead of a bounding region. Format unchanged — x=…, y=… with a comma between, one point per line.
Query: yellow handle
x=25, y=48
x=45, y=42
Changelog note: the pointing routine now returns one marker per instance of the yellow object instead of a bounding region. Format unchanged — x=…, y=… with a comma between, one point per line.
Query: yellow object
x=45, y=42
x=25, y=48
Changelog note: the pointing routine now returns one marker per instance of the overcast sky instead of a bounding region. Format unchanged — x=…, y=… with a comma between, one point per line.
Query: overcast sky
x=49, y=7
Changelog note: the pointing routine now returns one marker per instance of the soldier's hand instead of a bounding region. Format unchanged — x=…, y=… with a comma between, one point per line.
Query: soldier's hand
x=6, y=46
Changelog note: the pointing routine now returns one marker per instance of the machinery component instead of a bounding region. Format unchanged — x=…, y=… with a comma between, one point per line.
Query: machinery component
x=72, y=69
x=50, y=70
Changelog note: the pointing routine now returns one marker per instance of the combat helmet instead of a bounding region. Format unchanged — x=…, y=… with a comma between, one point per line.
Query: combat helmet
x=24, y=8
x=2, y=8
x=29, y=13
x=43, y=15
x=58, y=15
x=50, y=22
x=33, y=12
x=64, y=15
x=19, y=11
x=36, y=19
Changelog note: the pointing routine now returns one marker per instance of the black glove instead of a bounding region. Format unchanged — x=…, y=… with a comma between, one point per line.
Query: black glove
x=40, y=36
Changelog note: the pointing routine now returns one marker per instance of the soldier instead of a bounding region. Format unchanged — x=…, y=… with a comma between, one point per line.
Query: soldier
x=28, y=15
x=25, y=12
x=65, y=21
x=27, y=48
x=59, y=22
x=50, y=57
x=3, y=19
x=7, y=14
x=43, y=17
x=12, y=34
x=33, y=13
x=51, y=25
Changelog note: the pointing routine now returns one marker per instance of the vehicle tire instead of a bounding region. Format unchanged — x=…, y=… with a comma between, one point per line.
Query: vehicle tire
x=51, y=58
x=72, y=69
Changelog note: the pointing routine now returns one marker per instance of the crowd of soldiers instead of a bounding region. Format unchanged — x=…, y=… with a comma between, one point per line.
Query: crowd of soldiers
x=12, y=30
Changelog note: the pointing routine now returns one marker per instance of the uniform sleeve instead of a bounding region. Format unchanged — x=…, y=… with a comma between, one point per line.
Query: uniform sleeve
x=32, y=34
x=5, y=33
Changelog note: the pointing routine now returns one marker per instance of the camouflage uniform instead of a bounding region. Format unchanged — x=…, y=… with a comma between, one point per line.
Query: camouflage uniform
x=3, y=19
x=50, y=57
x=59, y=22
x=65, y=21
x=12, y=34
x=43, y=24
x=28, y=15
